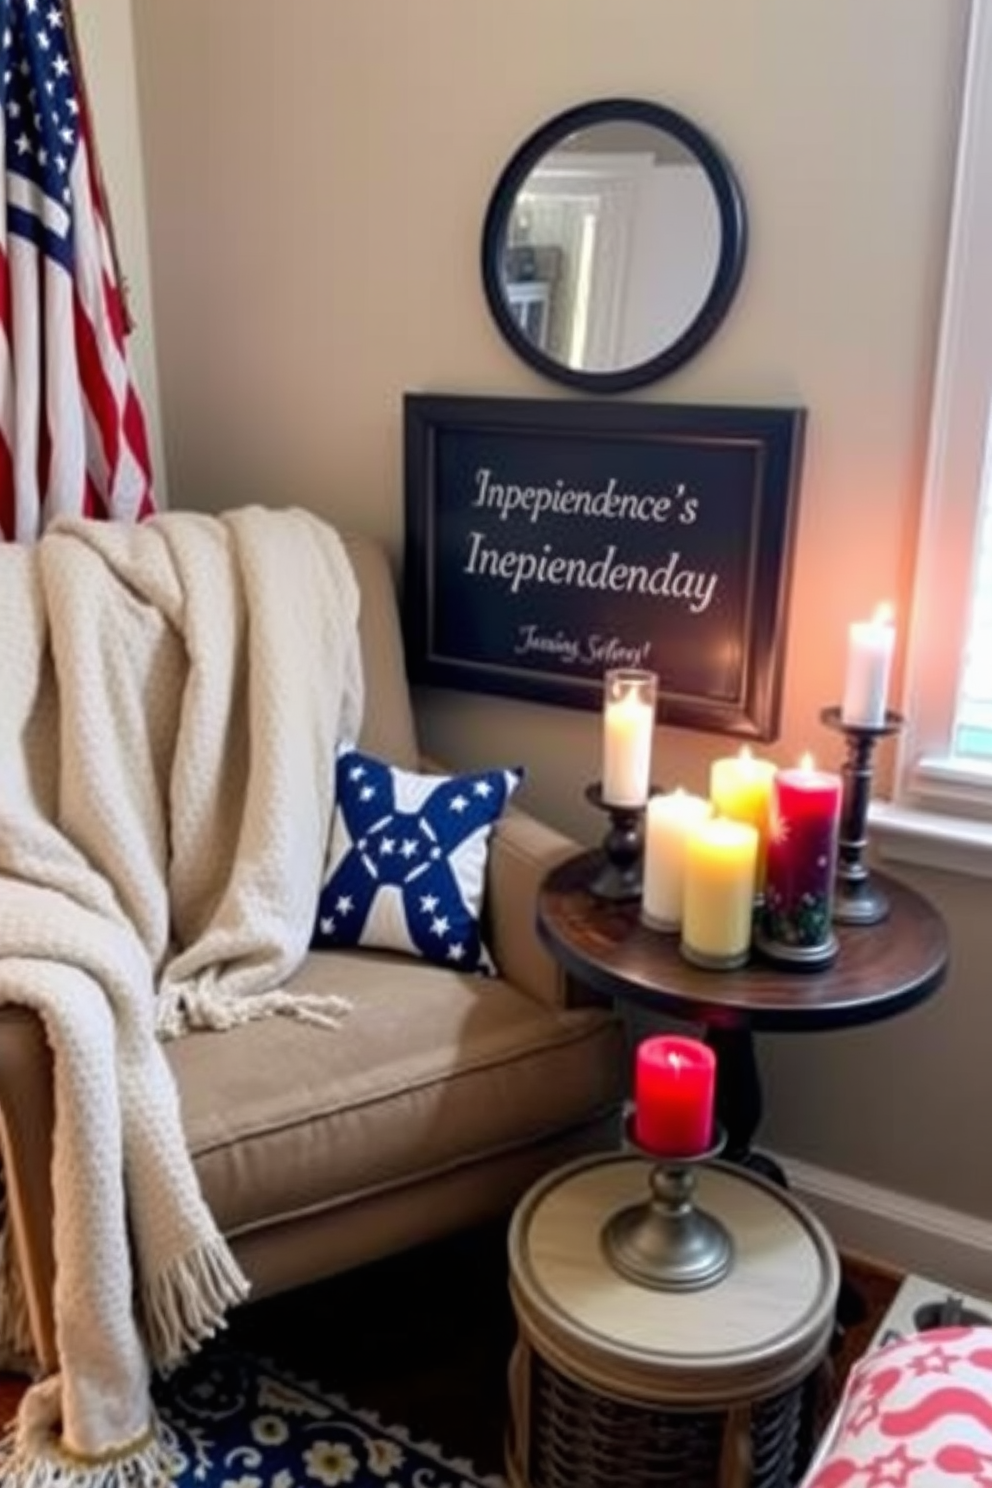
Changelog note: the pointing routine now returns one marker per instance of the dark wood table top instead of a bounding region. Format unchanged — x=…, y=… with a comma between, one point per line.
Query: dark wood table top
x=880, y=969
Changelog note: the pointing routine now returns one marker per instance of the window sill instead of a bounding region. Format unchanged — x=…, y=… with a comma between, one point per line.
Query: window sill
x=908, y=835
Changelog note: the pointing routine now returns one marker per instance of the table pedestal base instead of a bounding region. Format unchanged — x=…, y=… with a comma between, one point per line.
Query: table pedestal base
x=738, y=1100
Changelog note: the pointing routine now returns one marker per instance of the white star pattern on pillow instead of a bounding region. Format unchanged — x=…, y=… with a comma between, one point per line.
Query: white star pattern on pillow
x=408, y=858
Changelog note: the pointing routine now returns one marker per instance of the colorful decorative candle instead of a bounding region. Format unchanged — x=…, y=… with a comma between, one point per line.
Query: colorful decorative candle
x=721, y=859
x=670, y=818
x=795, y=922
x=870, y=645
x=630, y=697
x=674, y=1091
x=741, y=788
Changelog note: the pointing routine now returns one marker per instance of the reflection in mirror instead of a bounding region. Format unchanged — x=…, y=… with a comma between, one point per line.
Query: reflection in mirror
x=613, y=244
x=618, y=241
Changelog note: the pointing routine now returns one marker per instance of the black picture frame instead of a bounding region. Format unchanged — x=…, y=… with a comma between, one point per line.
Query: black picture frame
x=548, y=540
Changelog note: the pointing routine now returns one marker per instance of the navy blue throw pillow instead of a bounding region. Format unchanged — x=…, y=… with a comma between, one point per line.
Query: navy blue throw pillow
x=407, y=862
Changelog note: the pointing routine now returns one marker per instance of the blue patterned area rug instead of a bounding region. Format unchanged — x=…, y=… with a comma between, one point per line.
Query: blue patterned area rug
x=233, y=1421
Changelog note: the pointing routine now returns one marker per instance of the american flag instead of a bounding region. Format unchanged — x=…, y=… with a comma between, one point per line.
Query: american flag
x=72, y=430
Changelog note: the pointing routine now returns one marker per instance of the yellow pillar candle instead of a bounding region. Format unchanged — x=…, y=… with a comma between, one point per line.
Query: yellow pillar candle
x=670, y=818
x=741, y=788
x=718, y=894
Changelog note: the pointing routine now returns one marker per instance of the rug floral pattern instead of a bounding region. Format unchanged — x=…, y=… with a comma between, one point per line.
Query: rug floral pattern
x=230, y=1420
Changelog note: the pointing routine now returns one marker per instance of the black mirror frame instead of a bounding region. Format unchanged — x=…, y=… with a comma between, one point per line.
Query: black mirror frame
x=733, y=241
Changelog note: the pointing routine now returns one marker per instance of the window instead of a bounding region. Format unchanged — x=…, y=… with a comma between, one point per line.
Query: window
x=972, y=736
x=943, y=810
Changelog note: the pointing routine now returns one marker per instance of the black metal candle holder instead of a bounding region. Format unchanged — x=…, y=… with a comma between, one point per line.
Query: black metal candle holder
x=666, y=1242
x=857, y=899
x=621, y=875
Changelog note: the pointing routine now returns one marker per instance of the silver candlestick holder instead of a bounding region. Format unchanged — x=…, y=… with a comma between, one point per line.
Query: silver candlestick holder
x=666, y=1242
x=857, y=899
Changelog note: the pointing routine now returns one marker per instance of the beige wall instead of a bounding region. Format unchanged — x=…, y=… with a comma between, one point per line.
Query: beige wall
x=106, y=42
x=317, y=173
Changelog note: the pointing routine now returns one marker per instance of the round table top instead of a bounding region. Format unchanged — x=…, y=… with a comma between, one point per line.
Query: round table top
x=757, y=1325
x=880, y=969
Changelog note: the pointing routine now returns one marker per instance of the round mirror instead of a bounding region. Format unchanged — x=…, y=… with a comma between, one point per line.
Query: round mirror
x=613, y=244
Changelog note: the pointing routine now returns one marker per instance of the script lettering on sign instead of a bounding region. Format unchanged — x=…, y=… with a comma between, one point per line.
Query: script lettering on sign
x=539, y=557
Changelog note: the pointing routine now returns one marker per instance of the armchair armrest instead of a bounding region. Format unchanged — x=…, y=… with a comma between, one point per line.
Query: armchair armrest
x=522, y=851
x=27, y=1122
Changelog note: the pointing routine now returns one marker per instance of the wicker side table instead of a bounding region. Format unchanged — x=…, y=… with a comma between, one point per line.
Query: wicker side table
x=614, y=1382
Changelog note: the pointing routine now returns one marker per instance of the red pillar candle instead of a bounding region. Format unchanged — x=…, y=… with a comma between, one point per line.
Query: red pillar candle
x=802, y=856
x=674, y=1084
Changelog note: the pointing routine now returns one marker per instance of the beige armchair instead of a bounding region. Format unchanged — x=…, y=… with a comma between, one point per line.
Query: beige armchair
x=439, y=1099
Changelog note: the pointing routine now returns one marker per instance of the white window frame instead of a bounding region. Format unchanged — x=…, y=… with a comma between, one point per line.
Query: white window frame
x=942, y=811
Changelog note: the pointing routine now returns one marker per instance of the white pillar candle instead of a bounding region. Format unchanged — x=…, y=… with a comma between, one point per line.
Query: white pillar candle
x=870, y=645
x=670, y=818
x=628, y=733
x=718, y=896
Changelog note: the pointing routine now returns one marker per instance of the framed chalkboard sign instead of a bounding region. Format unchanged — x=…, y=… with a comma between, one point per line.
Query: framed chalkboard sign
x=547, y=541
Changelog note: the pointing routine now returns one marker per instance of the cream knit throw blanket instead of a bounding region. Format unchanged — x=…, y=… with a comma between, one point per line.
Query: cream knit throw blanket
x=170, y=702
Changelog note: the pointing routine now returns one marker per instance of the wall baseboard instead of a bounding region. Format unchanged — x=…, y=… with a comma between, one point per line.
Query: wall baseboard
x=908, y=1234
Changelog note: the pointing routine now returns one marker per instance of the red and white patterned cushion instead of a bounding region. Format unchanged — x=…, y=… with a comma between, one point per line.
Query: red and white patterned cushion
x=914, y=1414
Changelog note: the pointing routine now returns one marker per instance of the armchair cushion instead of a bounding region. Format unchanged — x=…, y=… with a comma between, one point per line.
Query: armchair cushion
x=433, y=1072
x=408, y=858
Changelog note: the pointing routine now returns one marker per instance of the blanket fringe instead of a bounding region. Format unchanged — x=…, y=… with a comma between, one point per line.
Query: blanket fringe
x=145, y=1468
x=187, y=1303
x=32, y=1456
x=17, y=1351
x=184, y=1010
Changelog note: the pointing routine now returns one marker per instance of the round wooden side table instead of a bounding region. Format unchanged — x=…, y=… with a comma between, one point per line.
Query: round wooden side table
x=614, y=1382
x=880, y=970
